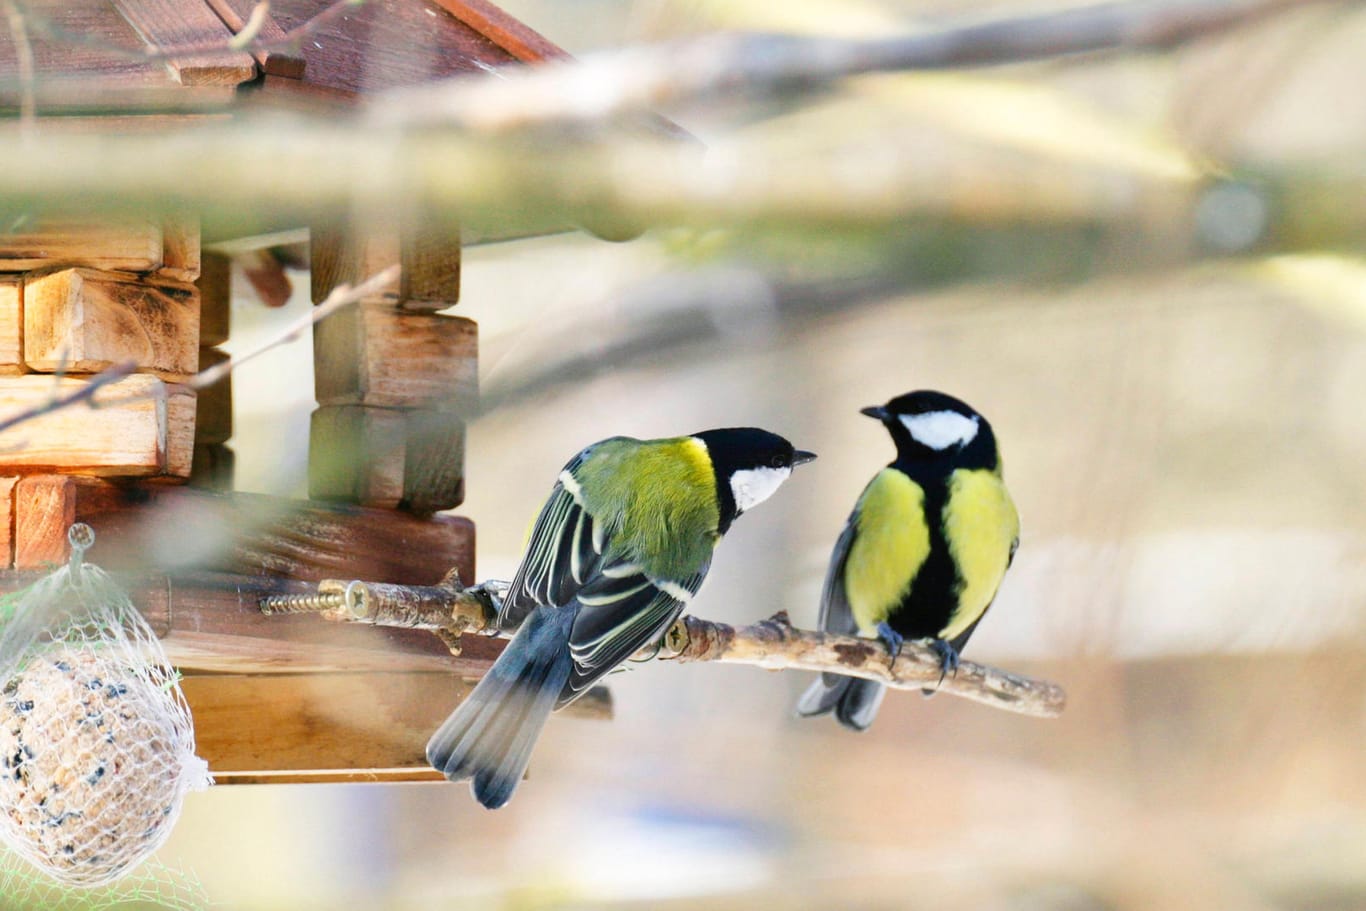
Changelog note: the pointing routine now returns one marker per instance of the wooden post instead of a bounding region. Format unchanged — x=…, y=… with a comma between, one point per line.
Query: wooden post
x=394, y=381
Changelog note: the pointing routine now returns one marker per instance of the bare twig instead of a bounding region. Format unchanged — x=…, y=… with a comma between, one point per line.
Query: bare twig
x=341, y=296
x=450, y=609
x=604, y=85
x=84, y=393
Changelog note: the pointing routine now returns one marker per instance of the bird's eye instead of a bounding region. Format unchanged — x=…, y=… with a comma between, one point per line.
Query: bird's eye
x=777, y=462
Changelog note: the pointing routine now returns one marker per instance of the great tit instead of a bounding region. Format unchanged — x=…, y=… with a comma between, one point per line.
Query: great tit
x=617, y=553
x=925, y=549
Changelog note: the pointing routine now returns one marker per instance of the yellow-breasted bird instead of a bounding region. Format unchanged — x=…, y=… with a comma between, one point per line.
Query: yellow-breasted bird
x=925, y=549
x=618, y=551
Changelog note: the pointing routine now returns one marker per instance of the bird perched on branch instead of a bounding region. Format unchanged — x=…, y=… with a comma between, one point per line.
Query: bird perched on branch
x=618, y=551
x=925, y=549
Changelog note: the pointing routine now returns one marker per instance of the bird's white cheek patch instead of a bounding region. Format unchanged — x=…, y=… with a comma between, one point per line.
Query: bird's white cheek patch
x=940, y=429
x=755, y=485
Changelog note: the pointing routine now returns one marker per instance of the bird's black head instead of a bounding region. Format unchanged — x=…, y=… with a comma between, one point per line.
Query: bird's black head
x=750, y=464
x=930, y=427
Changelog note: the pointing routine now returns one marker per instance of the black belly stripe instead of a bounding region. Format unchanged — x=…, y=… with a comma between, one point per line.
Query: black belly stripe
x=926, y=609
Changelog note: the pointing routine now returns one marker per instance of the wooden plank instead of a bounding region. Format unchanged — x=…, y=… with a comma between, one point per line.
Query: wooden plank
x=44, y=508
x=180, y=255
x=434, y=462
x=356, y=454
x=7, y=521
x=146, y=526
x=213, y=416
x=11, y=328
x=130, y=434
x=114, y=244
x=426, y=245
x=375, y=354
x=166, y=24
x=85, y=321
x=273, y=61
x=263, y=728
x=513, y=36
x=215, y=299
x=182, y=406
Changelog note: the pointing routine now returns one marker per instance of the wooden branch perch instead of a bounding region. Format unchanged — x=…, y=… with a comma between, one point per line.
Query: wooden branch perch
x=777, y=645
x=450, y=610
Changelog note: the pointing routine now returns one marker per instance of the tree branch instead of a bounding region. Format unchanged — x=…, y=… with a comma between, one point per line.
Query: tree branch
x=603, y=85
x=450, y=610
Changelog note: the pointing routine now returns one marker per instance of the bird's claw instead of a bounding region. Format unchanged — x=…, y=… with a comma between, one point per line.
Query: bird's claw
x=948, y=659
x=891, y=638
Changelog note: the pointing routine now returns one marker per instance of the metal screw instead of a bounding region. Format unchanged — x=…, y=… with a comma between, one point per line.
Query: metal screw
x=311, y=603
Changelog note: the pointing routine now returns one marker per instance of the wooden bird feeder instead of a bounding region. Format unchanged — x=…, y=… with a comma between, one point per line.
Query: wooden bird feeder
x=274, y=698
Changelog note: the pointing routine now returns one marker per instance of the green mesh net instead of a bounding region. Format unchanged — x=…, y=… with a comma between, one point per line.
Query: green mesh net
x=96, y=741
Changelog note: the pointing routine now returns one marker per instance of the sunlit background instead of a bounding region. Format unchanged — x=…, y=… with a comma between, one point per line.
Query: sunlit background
x=1185, y=440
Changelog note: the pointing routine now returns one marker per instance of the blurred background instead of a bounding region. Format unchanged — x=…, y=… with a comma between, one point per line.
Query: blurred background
x=1182, y=427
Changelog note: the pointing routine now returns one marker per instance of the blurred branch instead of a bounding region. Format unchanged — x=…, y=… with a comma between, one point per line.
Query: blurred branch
x=451, y=610
x=776, y=644
x=603, y=85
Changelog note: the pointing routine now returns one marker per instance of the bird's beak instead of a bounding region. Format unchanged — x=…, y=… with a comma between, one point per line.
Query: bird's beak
x=801, y=457
x=875, y=411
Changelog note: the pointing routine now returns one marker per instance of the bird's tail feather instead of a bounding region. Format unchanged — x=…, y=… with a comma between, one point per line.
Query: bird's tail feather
x=489, y=737
x=854, y=700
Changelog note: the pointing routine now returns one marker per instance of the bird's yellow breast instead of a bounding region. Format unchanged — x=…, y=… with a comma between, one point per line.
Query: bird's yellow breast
x=891, y=543
x=981, y=525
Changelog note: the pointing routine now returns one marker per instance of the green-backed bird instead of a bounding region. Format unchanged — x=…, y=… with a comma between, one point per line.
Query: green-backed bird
x=618, y=551
x=925, y=549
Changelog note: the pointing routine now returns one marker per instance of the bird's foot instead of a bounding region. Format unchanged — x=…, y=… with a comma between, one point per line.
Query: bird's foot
x=948, y=661
x=891, y=638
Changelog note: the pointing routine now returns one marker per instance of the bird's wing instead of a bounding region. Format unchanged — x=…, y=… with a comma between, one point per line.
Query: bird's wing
x=621, y=611
x=836, y=615
x=563, y=552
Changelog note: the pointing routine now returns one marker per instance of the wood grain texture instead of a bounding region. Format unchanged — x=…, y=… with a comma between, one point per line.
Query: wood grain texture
x=330, y=727
x=11, y=328
x=429, y=251
x=131, y=433
x=273, y=61
x=376, y=354
x=167, y=24
x=215, y=299
x=434, y=462
x=180, y=256
x=153, y=527
x=85, y=321
x=44, y=508
x=344, y=254
x=7, y=521
x=356, y=454
x=510, y=34
x=213, y=418
x=115, y=244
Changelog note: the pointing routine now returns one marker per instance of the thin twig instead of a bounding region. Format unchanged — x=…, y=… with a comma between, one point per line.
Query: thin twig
x=84, y=393
x=601, y=86
x=341, y=296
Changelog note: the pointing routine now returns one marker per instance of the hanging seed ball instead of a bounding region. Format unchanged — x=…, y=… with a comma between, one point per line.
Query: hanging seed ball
x=89, y=780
